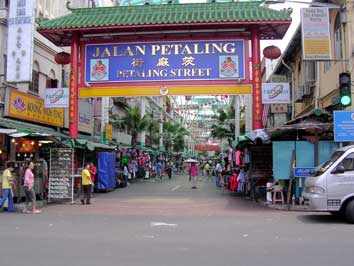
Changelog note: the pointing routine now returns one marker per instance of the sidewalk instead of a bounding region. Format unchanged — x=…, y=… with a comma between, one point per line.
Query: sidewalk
x=283, y=207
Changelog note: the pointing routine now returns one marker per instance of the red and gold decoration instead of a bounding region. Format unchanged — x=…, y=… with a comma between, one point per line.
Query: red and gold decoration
x=62, y=58
x=271, y=52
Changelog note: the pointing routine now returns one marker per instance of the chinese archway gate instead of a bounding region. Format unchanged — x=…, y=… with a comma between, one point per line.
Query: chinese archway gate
x=175, y=49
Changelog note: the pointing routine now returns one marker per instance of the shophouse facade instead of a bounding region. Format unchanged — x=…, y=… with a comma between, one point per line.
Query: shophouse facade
x=315, y=84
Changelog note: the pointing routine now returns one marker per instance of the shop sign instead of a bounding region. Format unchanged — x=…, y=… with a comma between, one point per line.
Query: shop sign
x=275, y=93
x=343, y=126
x=20, y=41
x=108, y=131
x=304, y=171
x=279, y=78
x=315, y=33
x=165, y=61
x=279, y=108
x=56, y=97
x=26, y=107
x=85, y=118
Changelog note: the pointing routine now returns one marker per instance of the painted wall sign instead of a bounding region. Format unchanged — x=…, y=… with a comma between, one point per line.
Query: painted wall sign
x=165, y=61
x=343, y=125
x=316, y=38
x=20, y=41
x=26, y=107
x=56, y=97
x=275, y=93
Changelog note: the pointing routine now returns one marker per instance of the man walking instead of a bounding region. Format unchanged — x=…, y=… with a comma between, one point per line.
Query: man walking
x=86, y=185
x=7, y=179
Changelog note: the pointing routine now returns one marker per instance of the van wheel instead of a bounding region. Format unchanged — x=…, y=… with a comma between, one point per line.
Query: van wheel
x=349, y=212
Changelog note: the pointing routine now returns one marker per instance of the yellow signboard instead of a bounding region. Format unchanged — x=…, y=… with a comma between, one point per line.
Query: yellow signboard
x=26, y=107
x=109, y=131
x=169, y=90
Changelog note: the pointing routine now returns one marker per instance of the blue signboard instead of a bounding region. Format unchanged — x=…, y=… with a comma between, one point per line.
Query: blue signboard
x=165, y=61
x=303, y=171
x=343, y=126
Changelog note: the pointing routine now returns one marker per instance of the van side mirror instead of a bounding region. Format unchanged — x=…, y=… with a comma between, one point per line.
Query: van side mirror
x=339, y=170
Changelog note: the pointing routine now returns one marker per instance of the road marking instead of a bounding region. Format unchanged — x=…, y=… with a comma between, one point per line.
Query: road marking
x=152, y=224
x=176, y=187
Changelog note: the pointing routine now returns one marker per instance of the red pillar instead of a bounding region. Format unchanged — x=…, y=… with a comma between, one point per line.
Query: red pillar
x=74, y=68
x=257, y=80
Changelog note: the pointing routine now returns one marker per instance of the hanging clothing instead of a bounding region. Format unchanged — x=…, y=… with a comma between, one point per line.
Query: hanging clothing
x=241, y=180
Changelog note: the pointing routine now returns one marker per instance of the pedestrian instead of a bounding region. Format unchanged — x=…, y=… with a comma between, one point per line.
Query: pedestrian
x=93, y=172
x=207, y=171
x=86, y=184
x=218, y=173
x=169, y=169
x=194, y=174
x=7, y=181
x=125, y=173
x=159, y=169
x=28, y=187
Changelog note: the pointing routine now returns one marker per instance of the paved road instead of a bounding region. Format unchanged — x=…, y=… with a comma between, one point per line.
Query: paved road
x=168, y=224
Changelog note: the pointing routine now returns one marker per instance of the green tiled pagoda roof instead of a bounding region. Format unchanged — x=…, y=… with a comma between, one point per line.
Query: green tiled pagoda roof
x=164, y=14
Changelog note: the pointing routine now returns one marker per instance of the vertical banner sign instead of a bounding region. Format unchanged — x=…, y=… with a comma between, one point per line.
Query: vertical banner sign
x=315, y=33
x=20, y=41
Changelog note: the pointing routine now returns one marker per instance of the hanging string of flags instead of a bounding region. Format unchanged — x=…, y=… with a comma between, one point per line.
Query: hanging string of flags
x=201, y=105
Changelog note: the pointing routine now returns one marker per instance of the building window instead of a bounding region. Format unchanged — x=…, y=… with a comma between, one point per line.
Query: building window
x=34, y=86
x=310, y=71
x=51, y=83
x=327, y=66
x=338, y=38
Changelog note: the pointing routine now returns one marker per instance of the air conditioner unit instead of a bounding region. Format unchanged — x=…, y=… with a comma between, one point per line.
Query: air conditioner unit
x=3, y=14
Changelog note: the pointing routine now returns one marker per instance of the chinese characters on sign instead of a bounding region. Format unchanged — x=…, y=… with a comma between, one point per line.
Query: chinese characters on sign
x=26, y=107
x=165, y=61
x=315, y=33
x=20, y=41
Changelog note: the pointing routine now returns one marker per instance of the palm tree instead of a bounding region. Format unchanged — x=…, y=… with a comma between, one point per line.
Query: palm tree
x=173, y=135
x=225, y=125
x=133, y=122
x=153, y=130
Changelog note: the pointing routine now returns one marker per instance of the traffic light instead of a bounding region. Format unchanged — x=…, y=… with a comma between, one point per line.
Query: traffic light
x=345, y=93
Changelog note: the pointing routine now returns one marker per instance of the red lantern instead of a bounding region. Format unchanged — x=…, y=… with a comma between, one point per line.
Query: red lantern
x=271, y=52
x=62, y=58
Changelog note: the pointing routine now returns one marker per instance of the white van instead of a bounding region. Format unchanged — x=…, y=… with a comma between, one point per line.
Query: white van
x=331, y=188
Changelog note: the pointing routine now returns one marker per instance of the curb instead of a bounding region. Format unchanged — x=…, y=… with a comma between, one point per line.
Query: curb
x=283, y=207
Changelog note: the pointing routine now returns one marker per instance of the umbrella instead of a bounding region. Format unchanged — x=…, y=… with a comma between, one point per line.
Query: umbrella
x=259, y=135
x=190, y=160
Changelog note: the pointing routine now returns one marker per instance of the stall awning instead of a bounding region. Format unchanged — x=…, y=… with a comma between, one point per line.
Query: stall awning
x=15, y=128
x=86, y=144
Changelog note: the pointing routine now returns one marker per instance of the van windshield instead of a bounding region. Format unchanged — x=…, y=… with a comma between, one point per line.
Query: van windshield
x=326, y=164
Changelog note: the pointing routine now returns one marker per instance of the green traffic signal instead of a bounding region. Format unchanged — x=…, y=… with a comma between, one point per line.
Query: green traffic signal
x=345, y=94
x=345, y=100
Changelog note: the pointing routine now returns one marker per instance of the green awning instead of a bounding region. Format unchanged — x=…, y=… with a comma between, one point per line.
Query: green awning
x=86, y=144
x=243, y=13
x=22, y=129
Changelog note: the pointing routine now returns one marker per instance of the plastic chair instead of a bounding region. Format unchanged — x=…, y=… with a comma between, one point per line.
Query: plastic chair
x=278, y=192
